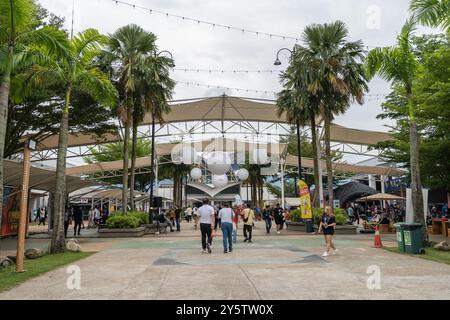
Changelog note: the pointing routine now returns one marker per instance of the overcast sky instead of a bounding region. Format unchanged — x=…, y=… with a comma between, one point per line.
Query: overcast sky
x=375, y=22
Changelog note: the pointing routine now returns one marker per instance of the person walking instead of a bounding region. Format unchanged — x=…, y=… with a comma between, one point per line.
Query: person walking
x=226, y=215
x=279, y=218
x=67, y=221
x=350, y=213
x=42, y=216
x=207, y=220
x=267, y=216
x=77, y=219
x=248, y=216
x=91, y=217
x=97, y=216
x=328, y=224
x=177, y=217
x=195, y=217
x=188, y=214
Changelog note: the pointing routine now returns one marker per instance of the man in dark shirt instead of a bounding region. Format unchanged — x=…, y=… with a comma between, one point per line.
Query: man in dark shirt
x=267, y=216
x=177, y=217
x=78, y=219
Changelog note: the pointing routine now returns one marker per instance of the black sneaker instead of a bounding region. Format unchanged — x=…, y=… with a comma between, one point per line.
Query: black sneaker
x=208, y=246
x=245, y=240
x=231, y=249
x=225, y=251
x=249, y=240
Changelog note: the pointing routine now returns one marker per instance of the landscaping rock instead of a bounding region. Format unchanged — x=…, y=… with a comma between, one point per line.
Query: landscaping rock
x=12, y=258
x=442, y=246
x=34, y=253
x=5, y=262
x=73, y=245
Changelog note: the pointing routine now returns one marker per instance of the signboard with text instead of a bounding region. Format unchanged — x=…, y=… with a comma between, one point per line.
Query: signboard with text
x=11, y=212
x=305, y=200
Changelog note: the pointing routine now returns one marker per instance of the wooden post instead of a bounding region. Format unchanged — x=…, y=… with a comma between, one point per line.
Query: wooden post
x=23, y=210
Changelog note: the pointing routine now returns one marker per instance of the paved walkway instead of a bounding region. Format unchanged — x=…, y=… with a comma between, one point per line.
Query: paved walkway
x=272, y=267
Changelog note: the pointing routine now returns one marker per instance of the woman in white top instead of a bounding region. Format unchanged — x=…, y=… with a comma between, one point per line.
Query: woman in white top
x=226, y=215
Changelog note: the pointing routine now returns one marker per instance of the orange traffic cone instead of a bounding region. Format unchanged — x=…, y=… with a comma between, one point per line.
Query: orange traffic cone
x=377, y=239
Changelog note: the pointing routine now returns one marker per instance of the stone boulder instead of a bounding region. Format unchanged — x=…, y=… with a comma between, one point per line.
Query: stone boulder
x=34, y=253
x=5, y=262
x=73, y=245
x=442, y=246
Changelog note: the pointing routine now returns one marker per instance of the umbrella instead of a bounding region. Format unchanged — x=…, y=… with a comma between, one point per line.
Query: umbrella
x=383, y=196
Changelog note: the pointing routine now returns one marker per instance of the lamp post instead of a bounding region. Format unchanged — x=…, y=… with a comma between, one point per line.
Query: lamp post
x=152, y=172
x=277, y=63
x=29, y=145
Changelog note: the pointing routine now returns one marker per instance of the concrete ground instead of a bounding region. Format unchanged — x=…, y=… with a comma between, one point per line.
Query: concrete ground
x=286, y=266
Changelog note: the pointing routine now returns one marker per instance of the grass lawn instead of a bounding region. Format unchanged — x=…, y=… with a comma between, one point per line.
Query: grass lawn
x=431, y=254
x=35, y=267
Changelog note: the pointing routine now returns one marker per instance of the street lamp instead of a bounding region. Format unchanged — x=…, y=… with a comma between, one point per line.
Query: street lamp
x=277, y=63
x=152, y=174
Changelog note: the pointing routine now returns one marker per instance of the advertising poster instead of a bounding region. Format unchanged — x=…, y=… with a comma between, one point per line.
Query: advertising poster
x=305, y=200
x=11, y=212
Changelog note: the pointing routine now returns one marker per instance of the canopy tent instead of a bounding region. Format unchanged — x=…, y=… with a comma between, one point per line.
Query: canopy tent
x=382, y=196
x=40, y=178
x=222, y=108
x=353, y=168
x=165, y=149
x=352, y=191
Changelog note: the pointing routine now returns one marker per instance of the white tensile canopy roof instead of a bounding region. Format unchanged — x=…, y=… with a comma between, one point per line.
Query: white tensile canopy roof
x=223, y=108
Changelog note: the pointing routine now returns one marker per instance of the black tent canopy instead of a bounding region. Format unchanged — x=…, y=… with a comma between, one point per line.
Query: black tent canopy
x=352, y=191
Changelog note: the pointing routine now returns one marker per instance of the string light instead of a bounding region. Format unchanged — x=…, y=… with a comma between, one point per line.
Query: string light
x=226, y=71
x=212, y=24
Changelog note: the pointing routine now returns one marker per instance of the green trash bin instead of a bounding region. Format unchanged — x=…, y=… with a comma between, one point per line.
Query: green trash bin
x=400, y=236
x=309, y=225
x=412, y=233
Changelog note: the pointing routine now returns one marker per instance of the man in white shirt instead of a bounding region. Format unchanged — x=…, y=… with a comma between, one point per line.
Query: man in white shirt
x=188, y=214
x=206, y=215
x=226, y=215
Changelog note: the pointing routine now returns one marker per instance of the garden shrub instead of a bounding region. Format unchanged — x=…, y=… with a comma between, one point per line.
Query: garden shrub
x=141, y=216
x=120, y=221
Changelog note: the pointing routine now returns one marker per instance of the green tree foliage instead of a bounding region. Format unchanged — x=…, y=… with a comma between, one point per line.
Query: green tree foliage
x=113, y=152
x=431, y=98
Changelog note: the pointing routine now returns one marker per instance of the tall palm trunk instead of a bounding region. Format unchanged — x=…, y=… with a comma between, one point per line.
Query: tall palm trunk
x=126, y=160
x=317, y=191
x=328, y=160
x=133, y=161
x=4, y=96
x=59, y=200
x=416, y=186
x=152, y=173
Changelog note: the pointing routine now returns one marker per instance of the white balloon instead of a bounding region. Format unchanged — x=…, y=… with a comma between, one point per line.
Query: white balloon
x=189, y=155
x=219, y=163
x=196, y=173
x=220, y=180
x=242, y=174
x=260, y=156
x=176, y=156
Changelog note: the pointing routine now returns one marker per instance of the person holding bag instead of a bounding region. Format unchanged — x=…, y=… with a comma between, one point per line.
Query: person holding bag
x=248, y=216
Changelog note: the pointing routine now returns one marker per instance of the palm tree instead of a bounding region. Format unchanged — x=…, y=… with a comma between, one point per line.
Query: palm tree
x=398, y=65
x=300, y=106
x=20, y=48
x=72, y=72
x=432, y=13
x=332, y=70
x=128, y=47
x=155, y=89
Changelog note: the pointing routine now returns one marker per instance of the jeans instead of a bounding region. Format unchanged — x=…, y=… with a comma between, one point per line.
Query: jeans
x=66, y=226
x=177, y=221
x=268, y=225
x=248, y=228
x=227, y=229
x=234, y=236
x=77, y=224
x=205, y=229
x=169, y=224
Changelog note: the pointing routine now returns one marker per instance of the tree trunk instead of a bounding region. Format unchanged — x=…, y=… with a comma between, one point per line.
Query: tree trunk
x=4, y=96
x=133, y=162
x=328, y=160
x=416, y=186
x=317, y=191
x=58, y=243
x=126, y=160
x=152, y=172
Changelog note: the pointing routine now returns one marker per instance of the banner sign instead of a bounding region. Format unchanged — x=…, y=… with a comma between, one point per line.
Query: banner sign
x=11, y=212
x=305, y=200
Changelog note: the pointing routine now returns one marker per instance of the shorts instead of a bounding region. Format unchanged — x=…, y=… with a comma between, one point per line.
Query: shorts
x=328, y=231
